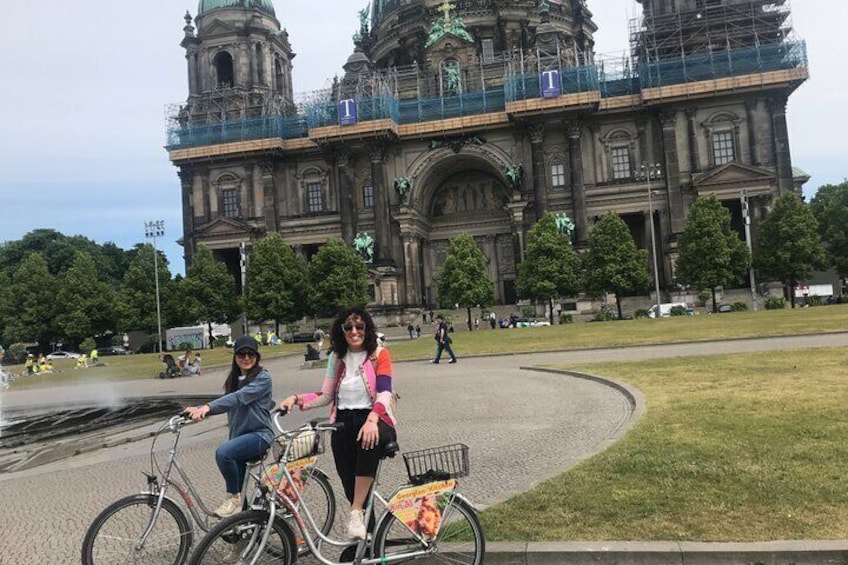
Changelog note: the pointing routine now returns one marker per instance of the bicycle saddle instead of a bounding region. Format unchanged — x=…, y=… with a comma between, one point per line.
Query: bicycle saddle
x=391, y=449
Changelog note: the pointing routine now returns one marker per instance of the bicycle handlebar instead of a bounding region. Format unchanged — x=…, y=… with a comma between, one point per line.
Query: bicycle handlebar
x=311, y=426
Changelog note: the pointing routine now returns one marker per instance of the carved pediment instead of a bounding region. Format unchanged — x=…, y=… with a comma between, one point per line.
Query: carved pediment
x=224, y=227
x=218, y=27
x=733, y=174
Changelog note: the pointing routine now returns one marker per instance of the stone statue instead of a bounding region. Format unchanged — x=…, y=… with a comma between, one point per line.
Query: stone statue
x=403, y=186
x=451, y=78
x=364, y=245
x=565, y=225
x=363, y=20
x=515, y=174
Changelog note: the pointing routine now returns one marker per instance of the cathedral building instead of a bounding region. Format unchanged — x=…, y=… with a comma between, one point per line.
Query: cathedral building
x=478, y=117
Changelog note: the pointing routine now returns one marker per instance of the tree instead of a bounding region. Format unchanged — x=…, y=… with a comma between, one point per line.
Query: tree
x=276, y=282
x=788, y=244
x=85, y=305
x=463, y=279
x=209, y=291
x=338, y=279
x=551, y=268
x=614, y=263
x=136, y=303
x=33, y=303
x=830, y=208
x=711, y=253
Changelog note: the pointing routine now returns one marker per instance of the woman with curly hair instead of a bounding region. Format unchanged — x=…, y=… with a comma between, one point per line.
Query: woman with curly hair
x=358, y=389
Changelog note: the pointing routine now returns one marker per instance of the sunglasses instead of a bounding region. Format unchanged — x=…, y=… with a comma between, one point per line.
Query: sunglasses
x=350, y=327
x=245, y=354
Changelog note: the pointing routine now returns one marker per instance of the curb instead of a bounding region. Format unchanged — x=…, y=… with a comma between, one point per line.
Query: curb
x=805, y=552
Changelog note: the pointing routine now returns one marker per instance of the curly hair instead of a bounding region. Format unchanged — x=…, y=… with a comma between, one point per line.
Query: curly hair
x=338, y=343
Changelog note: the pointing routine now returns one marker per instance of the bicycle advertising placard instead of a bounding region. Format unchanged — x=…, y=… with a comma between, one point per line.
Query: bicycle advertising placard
x=420, y=508
x=300, y=471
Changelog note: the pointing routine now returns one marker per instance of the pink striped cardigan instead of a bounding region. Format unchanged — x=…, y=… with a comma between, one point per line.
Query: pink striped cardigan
x=377, y=369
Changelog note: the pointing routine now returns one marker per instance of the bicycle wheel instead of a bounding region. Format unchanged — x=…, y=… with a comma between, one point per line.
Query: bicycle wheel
x=114, y=534
x=318, y=496
x=237, y=540
x=460, y=539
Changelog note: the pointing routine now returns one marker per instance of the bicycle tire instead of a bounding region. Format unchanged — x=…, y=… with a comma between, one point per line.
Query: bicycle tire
x=112, y=536
x=321, y=501
x=235, y=535
x=460, y=539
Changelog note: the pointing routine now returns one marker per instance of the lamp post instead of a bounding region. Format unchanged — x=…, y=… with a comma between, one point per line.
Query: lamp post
x=153, y=230
x=746, y=216
x=649, y=173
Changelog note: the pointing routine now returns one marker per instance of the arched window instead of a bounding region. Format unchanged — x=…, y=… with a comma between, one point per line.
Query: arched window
x=260, y=65
x=223, y=63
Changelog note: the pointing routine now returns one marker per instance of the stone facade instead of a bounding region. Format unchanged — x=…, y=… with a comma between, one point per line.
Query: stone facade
x=419, y=176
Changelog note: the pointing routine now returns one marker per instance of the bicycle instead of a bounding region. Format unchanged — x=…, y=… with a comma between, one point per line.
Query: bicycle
x=150, y=527
x=425, y=520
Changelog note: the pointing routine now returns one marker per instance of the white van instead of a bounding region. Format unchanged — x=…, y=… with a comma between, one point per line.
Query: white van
x=665, y=309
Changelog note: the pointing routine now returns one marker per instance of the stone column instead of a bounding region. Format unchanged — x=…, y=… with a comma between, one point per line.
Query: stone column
x=381, y=208
x=269, y=194
x=344, y=188
x=540, y=190
x=187, y=188
x=205, y=203
x=753, y=150
x=411, y=261
x=192, y=71
x=783, y=159
x=693, y=140
x=671, y=170
x=578, y=190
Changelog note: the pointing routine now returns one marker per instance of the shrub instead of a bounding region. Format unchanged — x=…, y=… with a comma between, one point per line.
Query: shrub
x=739, y=307
x=566, y=319
x=528, y=312
x=816, y=300
x=704, y=296
x=775, y=303
x=605, y=316
x=17, y=352
x=185, y=345
x=678, y=311
x=641, y=313
x=87, y=345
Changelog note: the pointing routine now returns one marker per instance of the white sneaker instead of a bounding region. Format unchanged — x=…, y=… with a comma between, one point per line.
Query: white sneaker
x=229, y=507
x=356, y=525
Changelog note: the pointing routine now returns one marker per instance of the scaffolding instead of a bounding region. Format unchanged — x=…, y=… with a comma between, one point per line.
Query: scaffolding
x=710, y=28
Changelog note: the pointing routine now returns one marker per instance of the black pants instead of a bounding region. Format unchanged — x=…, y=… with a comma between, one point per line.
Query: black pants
x=351, y=459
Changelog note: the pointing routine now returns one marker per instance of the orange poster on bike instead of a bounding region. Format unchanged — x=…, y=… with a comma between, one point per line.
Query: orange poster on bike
x=300, y=471
x=421, y=508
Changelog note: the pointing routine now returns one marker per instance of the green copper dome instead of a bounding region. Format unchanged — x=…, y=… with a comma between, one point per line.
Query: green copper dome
x=209, y=5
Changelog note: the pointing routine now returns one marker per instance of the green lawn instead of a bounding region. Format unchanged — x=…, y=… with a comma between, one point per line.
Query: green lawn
x=740, y=448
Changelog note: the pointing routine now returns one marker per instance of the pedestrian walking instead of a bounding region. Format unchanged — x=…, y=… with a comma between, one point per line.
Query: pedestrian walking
x=411, y=329
x=443, y=340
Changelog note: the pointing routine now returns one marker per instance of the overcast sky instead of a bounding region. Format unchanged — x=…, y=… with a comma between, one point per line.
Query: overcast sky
x=84, y=86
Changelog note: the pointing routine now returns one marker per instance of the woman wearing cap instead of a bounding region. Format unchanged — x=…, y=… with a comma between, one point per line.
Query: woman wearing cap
x=358, y=386
x=247, y=395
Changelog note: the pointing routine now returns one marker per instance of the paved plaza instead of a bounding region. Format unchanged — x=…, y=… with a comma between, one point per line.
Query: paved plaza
x=522, y=426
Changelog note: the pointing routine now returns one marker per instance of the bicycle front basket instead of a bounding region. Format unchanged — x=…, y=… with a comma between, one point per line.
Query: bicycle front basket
x=437, y=463
x=305, y=444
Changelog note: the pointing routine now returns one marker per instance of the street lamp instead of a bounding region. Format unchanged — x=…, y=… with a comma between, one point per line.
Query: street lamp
x=746, y=216
x=649, y=173
x=153, y=230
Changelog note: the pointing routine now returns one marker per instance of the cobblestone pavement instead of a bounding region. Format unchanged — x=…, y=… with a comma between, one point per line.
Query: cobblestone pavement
x=522, y=427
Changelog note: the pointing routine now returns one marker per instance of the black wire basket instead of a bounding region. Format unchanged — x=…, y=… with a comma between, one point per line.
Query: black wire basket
x=437, y=463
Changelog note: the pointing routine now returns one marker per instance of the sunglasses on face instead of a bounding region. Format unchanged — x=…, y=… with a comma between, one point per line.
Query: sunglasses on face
x=246, y=355
x=350, y=327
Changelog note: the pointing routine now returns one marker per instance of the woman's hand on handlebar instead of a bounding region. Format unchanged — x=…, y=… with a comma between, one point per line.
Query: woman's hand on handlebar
x=287, y=403
x=197, y=412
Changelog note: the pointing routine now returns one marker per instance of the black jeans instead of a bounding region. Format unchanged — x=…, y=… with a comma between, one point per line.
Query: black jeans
x=351, y=459
x=443, y=346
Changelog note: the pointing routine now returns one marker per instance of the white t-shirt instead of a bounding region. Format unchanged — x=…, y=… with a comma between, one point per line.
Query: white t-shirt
x=352, y=392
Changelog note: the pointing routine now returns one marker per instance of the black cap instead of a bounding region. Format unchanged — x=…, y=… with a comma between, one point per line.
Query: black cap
x=246, y=342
